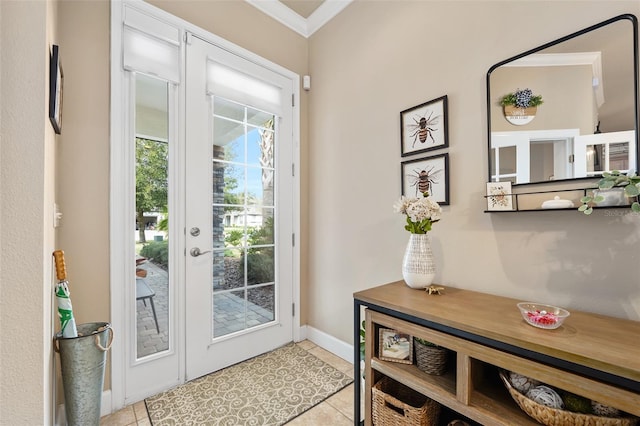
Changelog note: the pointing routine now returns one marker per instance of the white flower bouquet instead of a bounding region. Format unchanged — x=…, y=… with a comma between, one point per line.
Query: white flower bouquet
x=421, y=213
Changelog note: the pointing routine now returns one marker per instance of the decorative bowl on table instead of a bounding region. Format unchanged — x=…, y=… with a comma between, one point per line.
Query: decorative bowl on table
x=542, y=316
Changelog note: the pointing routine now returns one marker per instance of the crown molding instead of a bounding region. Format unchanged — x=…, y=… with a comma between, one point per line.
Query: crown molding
x=323, y=14
x=304, y=27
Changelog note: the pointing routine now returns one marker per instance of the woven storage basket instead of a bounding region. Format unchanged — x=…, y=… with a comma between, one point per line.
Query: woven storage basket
x=430, y=359
x=394, y=404
x=554, y=417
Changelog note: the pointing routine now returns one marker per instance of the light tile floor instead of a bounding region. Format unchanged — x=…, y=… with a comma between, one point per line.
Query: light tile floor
x=336, y=410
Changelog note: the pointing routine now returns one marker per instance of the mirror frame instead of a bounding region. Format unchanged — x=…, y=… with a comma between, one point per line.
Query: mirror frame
x=634, y=22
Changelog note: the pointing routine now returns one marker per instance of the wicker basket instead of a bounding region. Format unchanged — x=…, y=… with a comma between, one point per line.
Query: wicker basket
x=555, y=417
x=394, y=404
x=430, y=359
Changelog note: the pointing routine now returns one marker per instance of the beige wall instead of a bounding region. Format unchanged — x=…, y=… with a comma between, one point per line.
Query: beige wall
x=372, y=61
x=83, y=158
x=555, y=85
x=378, y=58
x=27, y=170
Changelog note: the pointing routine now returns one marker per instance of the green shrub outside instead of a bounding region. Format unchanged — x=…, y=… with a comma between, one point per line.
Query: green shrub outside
x=260, y=266
x=233, y=238
x=260, y=260
x=158, y=251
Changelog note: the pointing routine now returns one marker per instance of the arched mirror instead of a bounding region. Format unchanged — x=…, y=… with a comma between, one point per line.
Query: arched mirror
x=567, y=109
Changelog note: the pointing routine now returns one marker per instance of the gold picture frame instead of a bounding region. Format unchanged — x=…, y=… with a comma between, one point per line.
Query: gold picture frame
x=395, y=346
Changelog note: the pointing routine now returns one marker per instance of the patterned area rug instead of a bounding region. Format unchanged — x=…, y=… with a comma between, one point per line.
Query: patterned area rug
x=270, y=389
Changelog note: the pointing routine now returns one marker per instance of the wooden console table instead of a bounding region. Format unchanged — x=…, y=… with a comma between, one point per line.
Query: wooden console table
x=591, y=355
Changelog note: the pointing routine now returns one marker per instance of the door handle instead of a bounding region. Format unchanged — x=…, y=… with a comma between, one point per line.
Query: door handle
x=195, y=252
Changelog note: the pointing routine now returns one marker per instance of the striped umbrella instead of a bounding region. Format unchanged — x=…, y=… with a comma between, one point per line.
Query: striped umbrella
x=65, y=310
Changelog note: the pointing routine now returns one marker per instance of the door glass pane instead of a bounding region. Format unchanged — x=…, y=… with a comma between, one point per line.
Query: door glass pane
x=507, y=160
x=595, y=158
x=244, y=285
x=151, y=216
x=619, y=156
x=261, y=304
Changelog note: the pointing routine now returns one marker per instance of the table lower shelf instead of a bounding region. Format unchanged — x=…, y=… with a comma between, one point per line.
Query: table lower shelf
x=490, y=404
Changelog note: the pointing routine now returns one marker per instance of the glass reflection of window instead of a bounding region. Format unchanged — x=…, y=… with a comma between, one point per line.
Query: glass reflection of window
x=151, y=215
x=607, y=156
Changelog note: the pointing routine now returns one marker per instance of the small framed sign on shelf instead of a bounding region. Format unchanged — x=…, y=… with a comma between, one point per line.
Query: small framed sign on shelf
x=395, y=346
x=499, y=196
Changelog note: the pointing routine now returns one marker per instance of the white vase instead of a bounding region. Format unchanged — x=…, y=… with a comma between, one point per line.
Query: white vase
x=418, y=267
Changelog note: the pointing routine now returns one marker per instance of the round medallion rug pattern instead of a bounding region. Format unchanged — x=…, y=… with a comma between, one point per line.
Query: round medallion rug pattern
x=270, y=389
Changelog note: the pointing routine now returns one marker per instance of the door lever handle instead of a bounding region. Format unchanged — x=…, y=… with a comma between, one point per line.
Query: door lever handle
x=195, y=252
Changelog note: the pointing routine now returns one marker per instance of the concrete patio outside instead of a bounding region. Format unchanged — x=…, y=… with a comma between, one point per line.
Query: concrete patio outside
x=229, y=313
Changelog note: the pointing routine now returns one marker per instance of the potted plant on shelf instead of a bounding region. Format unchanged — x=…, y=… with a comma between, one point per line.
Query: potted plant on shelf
x=430, y=358
x=630, y=184
x=520, y=106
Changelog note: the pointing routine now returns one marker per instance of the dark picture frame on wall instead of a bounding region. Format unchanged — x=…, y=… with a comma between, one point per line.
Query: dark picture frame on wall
x=424, y=127
x=429, y=174
x=56, y=79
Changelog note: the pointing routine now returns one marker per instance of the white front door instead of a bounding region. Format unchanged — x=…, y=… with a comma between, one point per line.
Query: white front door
x=202, y=154
x=239, y=208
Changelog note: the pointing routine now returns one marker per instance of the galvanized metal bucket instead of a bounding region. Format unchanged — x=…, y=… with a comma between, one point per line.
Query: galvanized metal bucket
x=82, y=361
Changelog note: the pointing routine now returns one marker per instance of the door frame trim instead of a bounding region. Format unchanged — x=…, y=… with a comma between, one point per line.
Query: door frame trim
x=119, y=268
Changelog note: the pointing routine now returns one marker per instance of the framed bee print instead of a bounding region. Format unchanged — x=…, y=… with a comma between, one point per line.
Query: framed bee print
x=424, y=127
x=395, y=346
x=55, y=90
x=428, y=174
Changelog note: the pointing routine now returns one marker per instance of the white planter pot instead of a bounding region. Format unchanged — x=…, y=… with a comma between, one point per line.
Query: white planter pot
x=612, y=197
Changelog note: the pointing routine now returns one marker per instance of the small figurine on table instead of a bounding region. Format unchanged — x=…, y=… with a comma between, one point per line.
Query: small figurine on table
x=432, y=289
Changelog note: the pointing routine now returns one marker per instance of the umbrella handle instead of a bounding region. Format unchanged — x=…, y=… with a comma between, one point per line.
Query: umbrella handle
x=102, y=348
x=61, y=268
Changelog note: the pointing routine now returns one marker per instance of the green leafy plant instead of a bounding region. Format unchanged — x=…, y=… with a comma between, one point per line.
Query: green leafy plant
x=157, y=252
x=260, y=266
x=259, y=254
x=617, y=179
x=152, y=168
x=233, y=237
x=521, y=99
x=425, y=342
x=163, y=224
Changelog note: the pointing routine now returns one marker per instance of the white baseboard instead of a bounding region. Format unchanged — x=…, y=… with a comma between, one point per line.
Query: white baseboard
x=105, y=408
x=300, y=333
x=330, y=343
